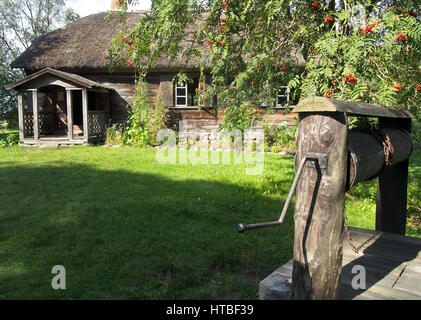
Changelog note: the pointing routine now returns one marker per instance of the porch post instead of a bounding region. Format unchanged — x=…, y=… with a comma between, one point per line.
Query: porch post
x=35, y=113
x=69, y=114
x=21, y=117
x=85, y=114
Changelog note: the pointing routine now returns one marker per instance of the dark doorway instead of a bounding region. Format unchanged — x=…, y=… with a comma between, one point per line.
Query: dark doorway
x=77, y=107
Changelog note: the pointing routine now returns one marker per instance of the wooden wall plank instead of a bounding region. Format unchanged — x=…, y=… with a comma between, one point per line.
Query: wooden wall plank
x=166, y=89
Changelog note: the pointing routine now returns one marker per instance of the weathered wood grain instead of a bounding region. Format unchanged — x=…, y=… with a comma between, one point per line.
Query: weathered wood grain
x=392, y=265
x=166, y=88
x=321, y=104
x=392, y=186
x=319, y=210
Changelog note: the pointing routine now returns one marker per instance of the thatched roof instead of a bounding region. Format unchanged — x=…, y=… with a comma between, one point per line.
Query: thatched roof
x=82, y=45
x=79, y=45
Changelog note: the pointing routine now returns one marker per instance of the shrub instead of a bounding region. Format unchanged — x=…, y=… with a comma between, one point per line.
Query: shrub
x=8, y=138
x=238, y=117
x=281, y=135
x=266, y=147
x=157, y=120
x=114, y=135
x=145, y=120
x=12, y=139
x=276, y=149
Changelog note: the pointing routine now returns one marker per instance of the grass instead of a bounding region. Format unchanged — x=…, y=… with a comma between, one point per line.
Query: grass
x=126, y=227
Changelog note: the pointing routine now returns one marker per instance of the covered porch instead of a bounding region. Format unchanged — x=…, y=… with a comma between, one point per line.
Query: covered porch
x=56, y=107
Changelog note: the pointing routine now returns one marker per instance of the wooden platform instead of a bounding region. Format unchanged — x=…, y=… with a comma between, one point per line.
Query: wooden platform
x=392, y=263
x=53, y=139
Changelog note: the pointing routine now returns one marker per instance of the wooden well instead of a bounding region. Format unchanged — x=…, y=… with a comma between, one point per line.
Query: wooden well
x=320, y=195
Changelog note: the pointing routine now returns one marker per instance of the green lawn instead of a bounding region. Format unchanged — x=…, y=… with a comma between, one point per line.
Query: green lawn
x=126, y=227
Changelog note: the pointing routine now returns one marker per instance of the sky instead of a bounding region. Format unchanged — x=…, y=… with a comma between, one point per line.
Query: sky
x=87, y=7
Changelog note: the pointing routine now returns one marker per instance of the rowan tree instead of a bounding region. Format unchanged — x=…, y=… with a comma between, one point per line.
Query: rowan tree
x=368, y=51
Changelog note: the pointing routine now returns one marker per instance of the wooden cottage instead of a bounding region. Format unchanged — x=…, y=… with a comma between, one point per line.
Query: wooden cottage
x=70, y=97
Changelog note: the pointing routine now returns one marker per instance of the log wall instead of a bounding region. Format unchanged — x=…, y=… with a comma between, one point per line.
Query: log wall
x=122, y=97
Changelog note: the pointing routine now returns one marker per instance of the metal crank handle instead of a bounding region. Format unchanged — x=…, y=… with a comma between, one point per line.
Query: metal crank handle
x=245, y=227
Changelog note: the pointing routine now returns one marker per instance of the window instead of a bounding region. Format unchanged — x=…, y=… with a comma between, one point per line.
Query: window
x=282, y=98
x=181, y=95
x=192, y=93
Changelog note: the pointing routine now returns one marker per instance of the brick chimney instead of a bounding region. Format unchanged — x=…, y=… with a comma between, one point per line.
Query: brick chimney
x=114, y=5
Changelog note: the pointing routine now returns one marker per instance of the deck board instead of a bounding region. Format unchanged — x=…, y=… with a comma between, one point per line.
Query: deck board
x=54, y=139
x=392, y=263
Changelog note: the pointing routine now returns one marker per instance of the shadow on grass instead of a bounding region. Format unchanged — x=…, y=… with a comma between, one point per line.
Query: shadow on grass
x=125, y=235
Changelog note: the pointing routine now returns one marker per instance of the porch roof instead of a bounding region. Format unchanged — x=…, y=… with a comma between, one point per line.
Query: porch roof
x=70, y=80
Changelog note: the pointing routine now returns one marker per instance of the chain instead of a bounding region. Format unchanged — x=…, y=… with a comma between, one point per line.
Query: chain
x=348, y=235
x=388, y=150
x=384, y=140
x=351, y=244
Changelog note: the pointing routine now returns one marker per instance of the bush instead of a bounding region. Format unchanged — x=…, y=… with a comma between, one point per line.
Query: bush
x=8, y=139
x=276, y=149
x=145, y=120
x=9, y=120
x=114, y=135
x=266, y=147
x=280, y=136
x=12, y=139
x=238, y=117
x=157, y=120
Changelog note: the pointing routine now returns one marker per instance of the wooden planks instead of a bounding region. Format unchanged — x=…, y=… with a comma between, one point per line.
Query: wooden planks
x=167, y=91
x=321, y=104
x=392, y=264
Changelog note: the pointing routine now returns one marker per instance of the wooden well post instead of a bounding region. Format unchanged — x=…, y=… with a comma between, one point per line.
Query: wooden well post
x=320, y=193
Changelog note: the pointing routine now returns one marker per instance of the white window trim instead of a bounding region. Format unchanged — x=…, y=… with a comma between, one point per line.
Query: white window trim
x=186, y=96
x=281, y=96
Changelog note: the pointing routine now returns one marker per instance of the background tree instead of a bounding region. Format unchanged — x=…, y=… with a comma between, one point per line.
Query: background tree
x=21, y=21
x=355, y=50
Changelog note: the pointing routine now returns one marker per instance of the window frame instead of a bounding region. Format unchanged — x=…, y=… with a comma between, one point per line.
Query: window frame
x=284, y=95
x=185, y=96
